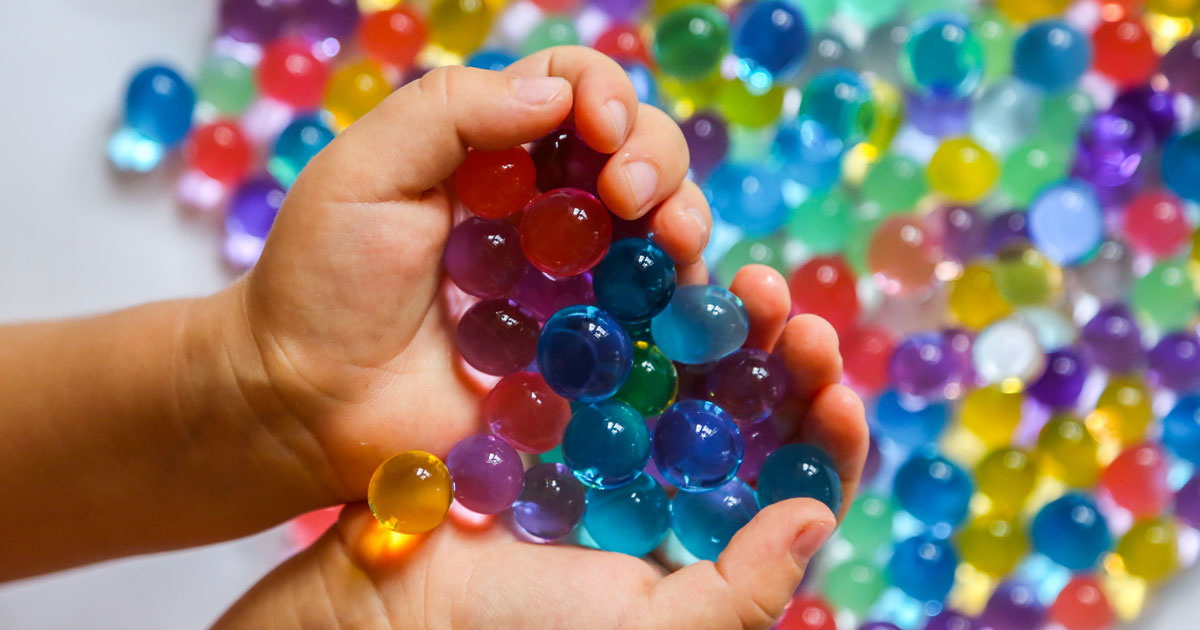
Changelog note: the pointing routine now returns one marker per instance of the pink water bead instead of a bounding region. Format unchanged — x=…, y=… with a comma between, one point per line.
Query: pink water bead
x=1155, y=224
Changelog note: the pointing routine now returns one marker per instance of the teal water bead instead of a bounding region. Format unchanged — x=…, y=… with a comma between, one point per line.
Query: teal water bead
x=822, y=222
x=870, y=13
x=943, y=56
x=868, y=523
x=550, y=32
x=300, y=142
x=704, y=522
x=840, y=100
x=1051, y=55
x=701, y=324
x=1005, y=113
x=1181, y=165
x=1062, y=114
x=933, y=489
x=631, y=519
x=895, y=184
x=799, y=470
x=747, y=195
x=606, y=444
x=690, y=42
x=809, y=153
x=227, y=84
x=923, y=567
x=635, y=280
x=767, y=250
x=817, y=12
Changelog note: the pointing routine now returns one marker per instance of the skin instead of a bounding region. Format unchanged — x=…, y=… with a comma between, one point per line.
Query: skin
x=187, y=422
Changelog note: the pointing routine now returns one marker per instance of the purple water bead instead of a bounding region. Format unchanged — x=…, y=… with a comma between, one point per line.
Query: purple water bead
x=761, y=438
x=487, y=473
x=1175, y=362
x=249, y=218
x=321, y=19
x=564, y=160
x=748, y=384
x=707, y=140
x=1187, y=503
x=950, y=619
x=621, y=10
x=1149, y=107
x=255, y=21
x=1181, y=66
x=964, y=232
x=497, y=337
x=1112, y=339
x=1007, y=229
x=544, y=296
x=1014, y=606
x=484, y=258
x=1062, y=381
x=874, y=460
x=925, y=365
x=879, y=625
x=1110, y=153
x=938, y=116
x=551, y=503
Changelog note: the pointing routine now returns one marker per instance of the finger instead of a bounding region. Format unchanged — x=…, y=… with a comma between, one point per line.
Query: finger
x=765, y=294
x=753, y=579
x=810, y=352
x=606, y=105
x=647, y=168
x=695, y=273
x=682, y=224
x=836, y=422
x=417, y=136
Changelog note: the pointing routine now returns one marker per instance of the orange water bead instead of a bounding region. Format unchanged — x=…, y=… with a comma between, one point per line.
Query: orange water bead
x=902, y=255
x=1082, y=605
x=1137, y=480
x=394, y=36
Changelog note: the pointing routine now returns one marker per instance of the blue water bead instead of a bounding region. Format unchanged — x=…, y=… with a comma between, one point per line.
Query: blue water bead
x=799, y=470
x=300, y=142
x=635, y=280
x=705, y=521
x=810, y=154
x=606, y=444
x=697, y=446
x=841, y=101
x=584, y=354
x=1066, y=222
x=644, y=84
x=770, y=37
x=943, y=55
x=1181, y=429
x=749, y=196
x=908, y=420
x=490, y=59
x=159, y=104
x=933, y=489
x=1071, y=531
x=631, y=519
x=923, y=567
x=1051, y=55
x=701, y=324
x=1181, y=163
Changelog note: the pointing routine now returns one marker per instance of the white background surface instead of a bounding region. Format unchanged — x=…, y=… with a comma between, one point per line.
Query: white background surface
x=76, y=240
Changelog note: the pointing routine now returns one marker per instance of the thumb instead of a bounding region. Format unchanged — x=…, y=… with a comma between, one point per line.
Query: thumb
x=754, y=578
x=419, y=134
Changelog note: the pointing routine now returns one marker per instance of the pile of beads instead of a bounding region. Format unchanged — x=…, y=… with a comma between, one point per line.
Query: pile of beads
x=587, y=337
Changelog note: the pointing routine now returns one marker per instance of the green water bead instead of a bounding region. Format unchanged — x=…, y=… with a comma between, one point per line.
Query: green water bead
x=552, y=31
x=1062, y=114
x=1030, y=167
x=690, y=41
x=997, y=36
x=226, y=84
x=816, y=12
x=751, y=251
x=868, y=523
x=822, y=222
x=858, y=241
x=1166, y=296
x=652, y=383
x=1026, y=278
x=917, y=8
x=855, y=585
x=871, y=13
x=895, y=183
x=743, y=105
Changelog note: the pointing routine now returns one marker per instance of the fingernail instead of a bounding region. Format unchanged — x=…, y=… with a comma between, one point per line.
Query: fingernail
x=810, y=540
x=643, y=180
x=537, y=91
x=618, y=116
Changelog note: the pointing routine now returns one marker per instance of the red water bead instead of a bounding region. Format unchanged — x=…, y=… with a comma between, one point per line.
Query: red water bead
x=1082, y=605
x=394, y=36
x=902, y=255
x=623, y=42
x=495, y=184
x=565, y=232
x=291, y=74
x=1137, y=480
x=1155, y=224
x=1123, y=51
x=497, y=337
x=523, y=410
x=557, y=6
x=219, y=150
x=826, y=286
x=807, y=612
x=866, y=352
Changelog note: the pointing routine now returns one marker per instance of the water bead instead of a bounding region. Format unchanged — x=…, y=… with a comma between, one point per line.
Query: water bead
x=1155, y=223
x=410, y=493
x=1175, y=362
x=811, y=155
x=1062, y=113
x=884, y=46
x=497, y=336
x=1082, y=605
x=690, y=41
x=770, y=38
x=1123, y=410
x=895, y=183
x=1151, y=106
x=806, y=612
x=322, y=19
x=938, y=116
x=902, y=255
x=551, y=503
x=490, y=59
x=1007, y=476
x=459, y=26
x=923, y=567
x=1137, y=480
x=840, y=100
x=252, y=21
x=652, y=383
x=822, y=222
x=354, y=90
x=1109, y=275
x=701, y=324
x=749, y=196
x=159, y=105
x=1069, y=450
x=225, y=83
x=826, y=50
x=991, y=413
x=219, y=150
x=1026, y=278
x=866, y=353
x=1008, y=353
x=826, y=286
x=631, y=519
x=584, y=354
x=564, y=160
x=1166, y=296
x=888, y=113
x=1026, y=10
x=393, y=36
x=924, y=365
x=299, y=142
x=943, y=55
x=933, y=489
x=1071, y=531
x=622, y=41
x=565, y=232
x=868, y=523
x=644, y=84
x=950, y=619
x=1030, y=167
x=249, y=217
x=961, y=230
x=1149, y=550
x=1124, y=51
x=1066, y=222
x=697, y=446
x=855, y=585
x=1062, y=381
x=291, y=74
x=704, y=522
x=1051, y=55
x=1180, y=163
x=1007, y=233
x=962, y=170
x=761, y=439
x=975, y=300
x=495, y=184
x=908, y=420
x=869, y=13
x=751, y=251
x=635, y=280
x=1109, y=155
x=1181, y=429
x=487, y=473
x=992, y=544
x=1187, y=503
x=996, y=36
x=551, y=31
x=1181, y=66
x=523, y=410
x=799, y=470
x=748, y=384
x=707, y=141
x=1014, y=606
x=606, y=444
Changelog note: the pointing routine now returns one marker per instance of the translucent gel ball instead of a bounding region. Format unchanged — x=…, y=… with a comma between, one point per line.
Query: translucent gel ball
x=653, y=381
x=631, y=519
x=159, y=104
x=811, y=154
x=751, y=251
x=251, y=21
x=226, y=83
x=992, y=544
x=705, y=521
x=1071, y=531
x=497, y=337
x=1181, y=66
x=1137, y=480
x=925, y=365
x=975, y=300
x=868, y=523
x=565, y=232
x=762, y=438
x=855, y=585
x=1181, y=429
x=300, y=141
x=545, y=295
x=1155, y=224
x=749, y=196
x=799, y=470
x=701, y=324
x=943, y=56
x=748, y=384
x=1180, y=163
x=1166, y=296
x=606, y=444
x=550, y=32
x=770, y=37
x=997, y=35
x=707, y=141
x=1069, y=450
x=690, y=41
x=460, y=26
x=249, y=217
x=410, y=493
x=484, y=258
x=1082, y=605
x=822, y=222
x=564, y=160
x=354, y=90
x=902, y=255
x=1150, y=549
x=826, y=286
x=635, y=280
x=1061, y=383
x=1051, y=55
x=962, y=171
x=1066, y=222
x=923, y=567
x=908, y=420
x=487, y=473
x=523, y=410
x=934, y=489
x=1123, y=410
x=1030, y=167
x=1187, y=502
x=991, y=413
x=1007, y=476
x=1014, y=606
x=1175, y=362
x=697, y=446
x=895, y=183
x=584, y=354
x=551, y=503
x=1007, y=352
x=841, y=101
